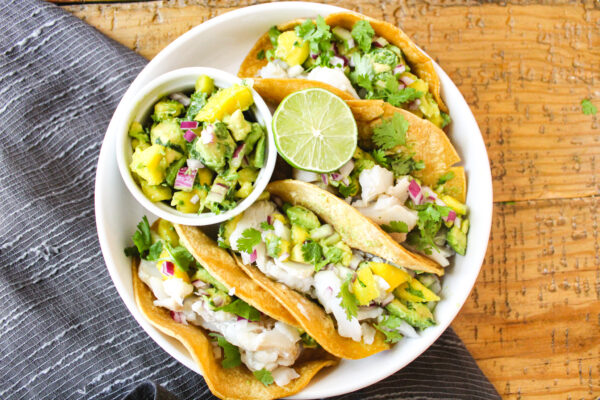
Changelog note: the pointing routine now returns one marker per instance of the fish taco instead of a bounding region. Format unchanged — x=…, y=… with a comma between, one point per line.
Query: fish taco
x=349, y=285
x=352, y=55
x=245, y=343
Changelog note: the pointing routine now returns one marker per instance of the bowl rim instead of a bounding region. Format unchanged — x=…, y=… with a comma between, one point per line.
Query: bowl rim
x=477, y=251
x=140, y=104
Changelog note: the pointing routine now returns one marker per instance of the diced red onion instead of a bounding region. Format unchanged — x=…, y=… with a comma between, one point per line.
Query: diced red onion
x=451, y=216
x=314, y=56
x=336, y=177
x=347, y=168
x=208, y=134
x=188, y=124
x=335, y=49
x=407, y=80
x=269, y=220
x=401, y=85
x=414, y=105
x=415, y=192
x=217, y=301
x=241, y=318
x=222, y=185
x=238, y=154
x=376, y=44
x=329, y=290
x=200, y=284
x=253, y=256
x=324, y=179
x=180, y=97
x=195, y=164
x=387, y=300
x=189, y=135
x=185, y=179
x=346, y=181
x=168, y=268
x=217, y=193
x=400, y=68
x=178, y=317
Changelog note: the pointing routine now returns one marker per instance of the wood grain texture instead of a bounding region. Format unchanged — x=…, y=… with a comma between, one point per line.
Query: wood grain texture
x=533, y=318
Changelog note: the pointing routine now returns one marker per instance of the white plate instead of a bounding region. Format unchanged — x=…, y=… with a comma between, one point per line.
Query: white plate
x=222, y=43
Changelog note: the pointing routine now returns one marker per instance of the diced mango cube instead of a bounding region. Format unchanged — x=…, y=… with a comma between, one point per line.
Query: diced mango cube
x=225, y=102
x=155, y=192
x=416, y=292
x=149, y=164
x=183, y=202
x=392, y=275
x=364, y=286
x=299, y=234
x=457, y=206
x=291, y=49
x=167, y=232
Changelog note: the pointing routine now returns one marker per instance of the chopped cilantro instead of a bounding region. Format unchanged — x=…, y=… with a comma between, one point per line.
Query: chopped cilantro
x=391, y=132
x=348, y=302
x=380, y=158
x=308, y=341
x=363, y=33
x=250, y=238
x=388, y=327
x=363, y=73
x=274, y=35
x=318, y=35
x=333, y=255
x=154, y=251
x=264, y=377
x=350, y=190
x=260, y=55
x=141, y=238
x=445, y=119
x=265, y=226
x=395, y=226
x=588, y=108
x=231, y=357
x=446, y=177
x=404, y=164
x=179, y=255
x=401, y=96
x=273, y=245
x=240, y=308
x=429, y=223
x=311, y=252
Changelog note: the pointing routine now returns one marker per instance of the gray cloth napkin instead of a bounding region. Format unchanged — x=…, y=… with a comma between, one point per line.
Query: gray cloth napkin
x=64, y=332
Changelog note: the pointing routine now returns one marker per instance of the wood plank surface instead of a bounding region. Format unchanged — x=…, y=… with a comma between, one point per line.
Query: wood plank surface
x=533, y=318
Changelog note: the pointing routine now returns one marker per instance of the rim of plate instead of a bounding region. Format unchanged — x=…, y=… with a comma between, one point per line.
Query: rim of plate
x=479, y=159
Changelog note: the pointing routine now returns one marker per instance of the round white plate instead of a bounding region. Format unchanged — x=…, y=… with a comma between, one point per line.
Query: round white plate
x=222, y=43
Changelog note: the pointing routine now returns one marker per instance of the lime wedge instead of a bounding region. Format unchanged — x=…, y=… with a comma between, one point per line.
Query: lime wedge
x=315, y=130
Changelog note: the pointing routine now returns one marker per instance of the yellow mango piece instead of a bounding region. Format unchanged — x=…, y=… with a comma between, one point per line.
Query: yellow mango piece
x=299, y=234
x=402, y=292
x=364, y=286
x=204, y=176
x=225, y=102
x=172, y=155
x=291, y=49
x=428, y=295
x=245, y=190
x=155, y=193
x=457, y=206
x=284, y=247
x=416, y=292
x=182, y=201
x=167, y=232
x=280, y=217
x=149, y=164
x=392, y=275
x=177, y=272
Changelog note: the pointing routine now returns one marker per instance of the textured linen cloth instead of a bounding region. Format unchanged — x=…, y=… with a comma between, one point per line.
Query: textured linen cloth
x=64, y=331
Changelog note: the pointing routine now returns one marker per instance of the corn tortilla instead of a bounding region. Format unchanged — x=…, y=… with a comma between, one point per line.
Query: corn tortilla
x=231, y=384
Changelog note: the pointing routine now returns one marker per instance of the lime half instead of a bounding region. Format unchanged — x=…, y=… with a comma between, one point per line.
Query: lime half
x=315, y=130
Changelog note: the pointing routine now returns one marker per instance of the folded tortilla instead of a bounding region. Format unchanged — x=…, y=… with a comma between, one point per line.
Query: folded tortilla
x=358, y=232
x=234, y=383
x=420, y=64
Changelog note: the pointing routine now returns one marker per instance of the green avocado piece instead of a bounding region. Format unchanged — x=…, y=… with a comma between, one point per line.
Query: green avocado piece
x=167, y=109
x=167, y=133
x=301, y=216
x=215, y=155
x=204, y=275
x=416, y=314
x=457, y=239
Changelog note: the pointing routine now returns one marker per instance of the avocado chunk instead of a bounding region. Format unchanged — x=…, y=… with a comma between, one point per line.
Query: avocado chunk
x=239, y=127
x=457, y=239
x=301, y=216
x=258, y=158
x=168, y=134
x=215, y=155
x=167, y=109
x=136, y=131
x=204, y=275
x=416, y=314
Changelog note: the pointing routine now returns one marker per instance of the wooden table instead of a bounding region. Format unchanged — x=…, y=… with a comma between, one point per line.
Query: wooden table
x=533, y=318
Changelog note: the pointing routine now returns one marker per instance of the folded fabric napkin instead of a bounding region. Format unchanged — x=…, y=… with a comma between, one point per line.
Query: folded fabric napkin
x=65, y=333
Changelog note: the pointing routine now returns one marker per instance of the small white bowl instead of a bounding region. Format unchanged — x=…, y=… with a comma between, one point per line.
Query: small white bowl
x=140, y=107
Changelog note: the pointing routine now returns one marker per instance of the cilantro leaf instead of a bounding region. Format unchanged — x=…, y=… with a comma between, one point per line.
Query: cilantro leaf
x=445, y=119
x=154, y=251
x=391, y=132
x=333, y=255
x=311, y=252
x=388, y=327
x=308, y=341
x=264, y=377
x=404, y=164
x=318, y=35
x=430, y=219
x=349, y=302
x=273, y=245
x=395, y=226
x=363, y=73
x=265, y=226
x=179, y=255
x=142, y=238
x=588, y=108
x=363, y=33
x=260, y=55
x=250, y=238
x=380, y=157
x=231, y=353
x=274, y=35
x=240, y=308
x=401, y=96
x=446, y=177
x=350, y=190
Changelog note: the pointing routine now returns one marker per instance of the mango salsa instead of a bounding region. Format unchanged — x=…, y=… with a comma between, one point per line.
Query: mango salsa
x=177, y=272
x=291, y=49
x=416, y=292
x=392, y=275
x=364, y=286
x=149, y=165
x=225, y=102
